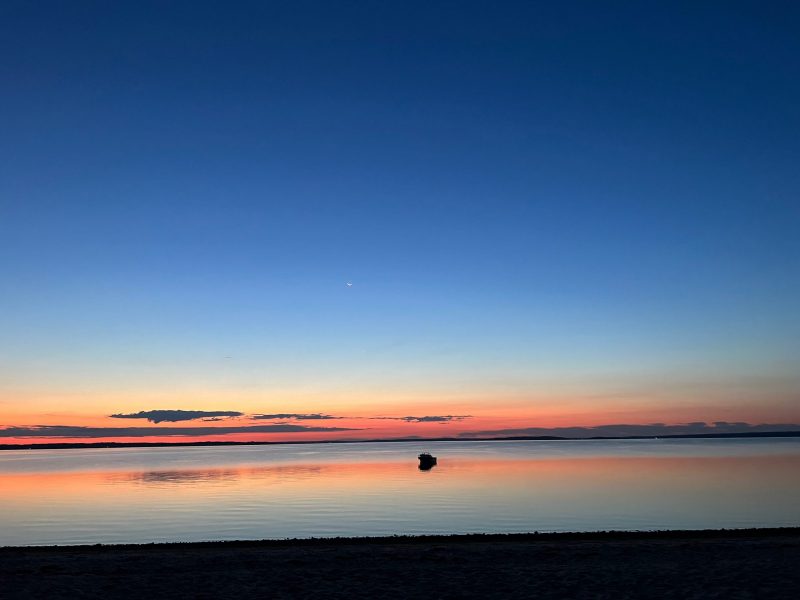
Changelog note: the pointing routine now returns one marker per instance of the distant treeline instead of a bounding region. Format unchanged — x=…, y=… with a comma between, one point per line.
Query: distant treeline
x=64, y=446
x=427, y=540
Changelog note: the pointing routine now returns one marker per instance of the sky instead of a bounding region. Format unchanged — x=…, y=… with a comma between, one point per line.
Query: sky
x=551, y=215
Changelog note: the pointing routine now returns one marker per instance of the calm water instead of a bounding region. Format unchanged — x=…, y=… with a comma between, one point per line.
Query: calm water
x=250, y=492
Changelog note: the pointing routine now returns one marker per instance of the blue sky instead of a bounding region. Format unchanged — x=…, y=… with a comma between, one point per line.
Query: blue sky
x=523, y=195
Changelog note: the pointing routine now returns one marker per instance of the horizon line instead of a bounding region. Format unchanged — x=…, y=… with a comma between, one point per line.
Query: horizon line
x=541, y=438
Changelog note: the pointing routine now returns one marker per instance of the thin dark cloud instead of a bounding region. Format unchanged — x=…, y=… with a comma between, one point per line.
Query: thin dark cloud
x=172, y=416
x=625, y=430
x=427, y=419
x=70, y=431
x=296, y=416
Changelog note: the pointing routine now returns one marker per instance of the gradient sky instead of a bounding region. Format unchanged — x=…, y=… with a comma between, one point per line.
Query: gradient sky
x=551, y=214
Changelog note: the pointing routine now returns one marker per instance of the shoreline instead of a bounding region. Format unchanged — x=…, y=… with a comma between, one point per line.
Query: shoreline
x=460, y=538
x=545, y=438
x=712, y=564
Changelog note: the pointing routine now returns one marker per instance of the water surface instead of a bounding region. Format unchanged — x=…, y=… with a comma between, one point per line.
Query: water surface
x=250, y=492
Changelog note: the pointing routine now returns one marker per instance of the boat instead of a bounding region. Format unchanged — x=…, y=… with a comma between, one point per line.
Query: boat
x=426, y=461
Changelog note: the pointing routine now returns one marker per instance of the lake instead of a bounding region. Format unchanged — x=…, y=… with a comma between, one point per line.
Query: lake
x=131, y=495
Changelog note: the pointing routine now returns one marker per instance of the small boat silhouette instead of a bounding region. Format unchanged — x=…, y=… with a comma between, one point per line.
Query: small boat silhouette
x=426, y=461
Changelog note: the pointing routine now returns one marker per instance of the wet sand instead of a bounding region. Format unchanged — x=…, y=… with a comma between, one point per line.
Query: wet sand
x=759, y=563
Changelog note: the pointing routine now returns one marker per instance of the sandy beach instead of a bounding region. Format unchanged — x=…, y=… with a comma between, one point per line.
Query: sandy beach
x=756, y=563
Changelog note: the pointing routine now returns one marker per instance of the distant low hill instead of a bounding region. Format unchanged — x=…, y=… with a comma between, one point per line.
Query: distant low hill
x=64, y=446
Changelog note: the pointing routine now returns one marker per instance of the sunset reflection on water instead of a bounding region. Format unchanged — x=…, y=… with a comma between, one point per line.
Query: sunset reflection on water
x=508, y=490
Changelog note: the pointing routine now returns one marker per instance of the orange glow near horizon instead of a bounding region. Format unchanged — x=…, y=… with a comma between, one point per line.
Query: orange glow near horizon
x=478, y=475
x=377, y=416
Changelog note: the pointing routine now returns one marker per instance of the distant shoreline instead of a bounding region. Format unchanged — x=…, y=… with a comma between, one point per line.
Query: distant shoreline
x=535, y=536
x=77, y=446
x=478, y=538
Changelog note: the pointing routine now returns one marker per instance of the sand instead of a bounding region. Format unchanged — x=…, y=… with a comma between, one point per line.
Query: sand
x=724, y=564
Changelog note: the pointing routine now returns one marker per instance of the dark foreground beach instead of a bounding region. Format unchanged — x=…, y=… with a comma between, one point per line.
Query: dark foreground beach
x=759, y=563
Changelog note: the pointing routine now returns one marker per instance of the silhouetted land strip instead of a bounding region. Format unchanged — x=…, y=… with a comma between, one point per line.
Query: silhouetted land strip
x=754, y=563
x=65, y=446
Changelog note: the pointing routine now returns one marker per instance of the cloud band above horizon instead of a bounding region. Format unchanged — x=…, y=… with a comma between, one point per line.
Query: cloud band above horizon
x=173, y=416
x=69, y=431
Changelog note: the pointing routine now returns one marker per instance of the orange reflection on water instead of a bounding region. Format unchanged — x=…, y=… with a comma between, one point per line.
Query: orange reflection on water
x=567, y=476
